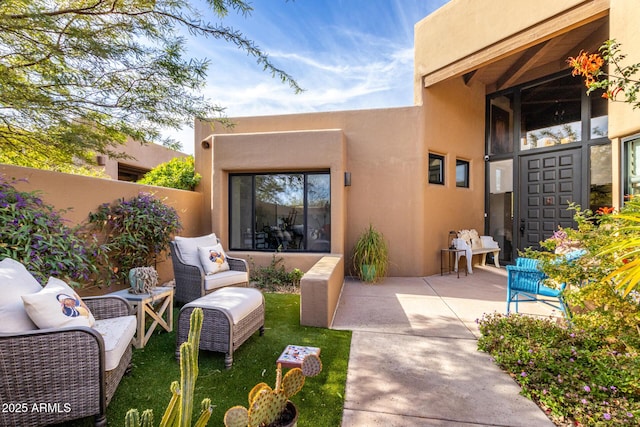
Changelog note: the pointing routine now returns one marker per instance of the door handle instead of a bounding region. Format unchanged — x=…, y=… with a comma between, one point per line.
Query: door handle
x=522, y=227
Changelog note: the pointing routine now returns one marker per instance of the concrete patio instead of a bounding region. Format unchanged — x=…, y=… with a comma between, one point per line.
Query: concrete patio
x=414, y=358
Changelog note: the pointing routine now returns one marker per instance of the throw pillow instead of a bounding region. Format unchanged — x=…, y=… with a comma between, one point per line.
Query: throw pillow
x=188, y=247
x=213, y=259
x=56, y=306
x=15, y=281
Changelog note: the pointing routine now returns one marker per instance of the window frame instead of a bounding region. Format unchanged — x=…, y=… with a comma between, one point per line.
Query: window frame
x=440, y=178
x=467, y=173
x=306, y=220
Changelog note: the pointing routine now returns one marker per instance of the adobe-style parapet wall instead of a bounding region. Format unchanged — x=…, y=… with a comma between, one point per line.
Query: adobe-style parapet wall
x=320, y=289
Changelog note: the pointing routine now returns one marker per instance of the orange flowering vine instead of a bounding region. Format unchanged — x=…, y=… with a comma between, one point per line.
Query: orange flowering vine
x=588, y=65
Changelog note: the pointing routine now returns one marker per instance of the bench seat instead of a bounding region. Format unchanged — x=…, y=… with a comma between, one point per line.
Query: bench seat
x=474, y=244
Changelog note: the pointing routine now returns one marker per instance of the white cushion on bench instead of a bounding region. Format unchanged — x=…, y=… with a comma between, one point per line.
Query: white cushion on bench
x=15, y=281
x=117, y=334
x=224, y=278
x=237, y=302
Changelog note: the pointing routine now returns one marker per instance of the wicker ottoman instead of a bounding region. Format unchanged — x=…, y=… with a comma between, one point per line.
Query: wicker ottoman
x=231, y=316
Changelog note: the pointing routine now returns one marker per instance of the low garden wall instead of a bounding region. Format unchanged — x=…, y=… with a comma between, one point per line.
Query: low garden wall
x=320, y=289
x=80, y=195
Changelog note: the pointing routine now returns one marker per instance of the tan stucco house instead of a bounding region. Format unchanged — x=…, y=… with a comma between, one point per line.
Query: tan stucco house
x=501, y=139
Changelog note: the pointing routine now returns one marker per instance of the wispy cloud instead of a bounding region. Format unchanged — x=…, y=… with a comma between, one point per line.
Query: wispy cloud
x=345, y=54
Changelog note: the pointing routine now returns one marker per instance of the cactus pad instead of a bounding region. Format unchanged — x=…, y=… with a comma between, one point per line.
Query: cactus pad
x=238, y=416
x=292, y=382
x=255, y=391
x=311, y=365
x=267, y=408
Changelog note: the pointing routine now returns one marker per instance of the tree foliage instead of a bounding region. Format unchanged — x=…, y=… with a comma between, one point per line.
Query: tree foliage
x=77, y=77
x=177, y=173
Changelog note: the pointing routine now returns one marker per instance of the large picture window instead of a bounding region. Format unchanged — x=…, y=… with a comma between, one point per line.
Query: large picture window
x=280, y=211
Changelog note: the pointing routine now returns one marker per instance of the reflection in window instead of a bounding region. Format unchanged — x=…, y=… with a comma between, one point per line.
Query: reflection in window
x=599, y=115
x=632, y=167
x=462, y=173
x=288, y=212
x=551, y=114
x=601, y=188
x=436, y=169
x=501, y=205
x=501, y=129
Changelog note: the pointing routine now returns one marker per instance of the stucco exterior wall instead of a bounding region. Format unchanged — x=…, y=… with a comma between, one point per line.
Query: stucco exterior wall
x=142, y=156
x=382, y=149
x=454, y=129
x=83, y=195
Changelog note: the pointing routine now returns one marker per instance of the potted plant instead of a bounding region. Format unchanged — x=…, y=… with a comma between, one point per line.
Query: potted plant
x=271, y=407
x=371, y=255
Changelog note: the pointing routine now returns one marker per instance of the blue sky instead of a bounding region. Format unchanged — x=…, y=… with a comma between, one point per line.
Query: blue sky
x=346, y=54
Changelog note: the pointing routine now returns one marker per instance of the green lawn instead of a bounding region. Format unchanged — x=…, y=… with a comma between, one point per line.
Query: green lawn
x=320, y=402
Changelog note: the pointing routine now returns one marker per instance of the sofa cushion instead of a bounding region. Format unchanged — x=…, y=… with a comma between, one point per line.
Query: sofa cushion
x=15, y=281
x=225, y=278
x=117, y=333
x=57, y=305
x=188, y=247
x=213, y=259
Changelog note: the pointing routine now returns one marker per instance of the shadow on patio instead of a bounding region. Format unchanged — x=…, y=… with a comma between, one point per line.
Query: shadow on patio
x=413, y=357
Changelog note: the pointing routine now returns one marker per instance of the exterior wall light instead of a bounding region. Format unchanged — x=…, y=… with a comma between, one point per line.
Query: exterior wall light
x=347, y=179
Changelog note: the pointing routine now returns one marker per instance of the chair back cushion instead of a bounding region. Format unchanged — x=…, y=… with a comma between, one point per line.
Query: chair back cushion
x=15, y=281
x=188, y=247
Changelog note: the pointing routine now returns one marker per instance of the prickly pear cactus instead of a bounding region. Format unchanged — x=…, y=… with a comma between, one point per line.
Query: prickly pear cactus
x=311, y=365
x=267, y=405
x=238, y=416
x=292, y=382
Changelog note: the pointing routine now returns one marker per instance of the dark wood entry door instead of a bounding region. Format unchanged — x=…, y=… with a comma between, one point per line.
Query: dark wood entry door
x=549, y=182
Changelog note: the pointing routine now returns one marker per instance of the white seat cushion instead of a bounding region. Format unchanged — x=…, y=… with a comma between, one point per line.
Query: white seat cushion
x=15, y=281
x=117, y=334
x=224, y=278
x=237, y=302
x=188, y=247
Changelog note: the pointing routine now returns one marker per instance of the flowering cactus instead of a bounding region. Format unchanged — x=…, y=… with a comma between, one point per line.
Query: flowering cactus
x=266, y=405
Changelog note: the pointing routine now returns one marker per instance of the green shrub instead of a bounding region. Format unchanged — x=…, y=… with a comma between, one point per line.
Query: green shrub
x=177, y=173
x=572, y=373
x=37, y=235
x=275, y=276
x=135, y=231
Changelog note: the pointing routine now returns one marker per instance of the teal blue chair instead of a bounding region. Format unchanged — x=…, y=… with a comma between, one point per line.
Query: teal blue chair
x=525, y=283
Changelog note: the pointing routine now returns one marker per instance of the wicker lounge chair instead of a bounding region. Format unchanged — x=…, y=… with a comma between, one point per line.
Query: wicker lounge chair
x=191, y=280
x=58, y=374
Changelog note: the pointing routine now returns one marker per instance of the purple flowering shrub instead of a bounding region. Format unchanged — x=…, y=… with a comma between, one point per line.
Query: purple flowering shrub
x=135, y=231
x=37, y=235
x=577, y=376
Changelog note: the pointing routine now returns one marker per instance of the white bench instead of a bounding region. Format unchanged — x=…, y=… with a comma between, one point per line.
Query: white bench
x=474, y=244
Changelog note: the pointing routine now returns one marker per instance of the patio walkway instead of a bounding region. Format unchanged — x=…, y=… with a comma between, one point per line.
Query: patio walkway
x=414, y=358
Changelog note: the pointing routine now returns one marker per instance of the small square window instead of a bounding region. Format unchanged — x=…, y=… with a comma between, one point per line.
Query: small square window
x=462, y=173
x=436, y=169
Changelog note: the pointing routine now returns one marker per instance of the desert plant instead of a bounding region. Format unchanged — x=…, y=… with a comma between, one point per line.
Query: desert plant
x=143, y=279
x=267, y=405
x=275, y=275
x=180, y=407
x=36, y=234
x=135, y=231
x=371, y=255
x=177, y=173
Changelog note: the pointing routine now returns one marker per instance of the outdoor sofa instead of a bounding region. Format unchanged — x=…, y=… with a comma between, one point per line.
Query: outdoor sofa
x=54, y=374
x=201, y=266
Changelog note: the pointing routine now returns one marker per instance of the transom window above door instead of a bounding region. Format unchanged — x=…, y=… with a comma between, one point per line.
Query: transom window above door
x=280, y=211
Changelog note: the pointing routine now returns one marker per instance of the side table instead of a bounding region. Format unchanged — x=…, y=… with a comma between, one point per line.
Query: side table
x=450, y=255
x=158, y=304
